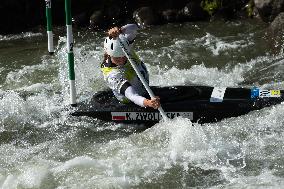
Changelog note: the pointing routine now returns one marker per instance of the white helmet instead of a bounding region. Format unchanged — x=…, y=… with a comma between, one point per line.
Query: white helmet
x=113, y=48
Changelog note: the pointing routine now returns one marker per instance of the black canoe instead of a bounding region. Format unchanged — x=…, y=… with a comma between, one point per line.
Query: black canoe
x=199, y=103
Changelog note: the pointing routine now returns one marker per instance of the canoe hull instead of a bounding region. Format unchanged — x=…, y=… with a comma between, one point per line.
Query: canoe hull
x=199, y=103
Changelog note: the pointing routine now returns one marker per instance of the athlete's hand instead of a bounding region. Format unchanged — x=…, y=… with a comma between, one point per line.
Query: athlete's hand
x=153, y=103
x=114, y=32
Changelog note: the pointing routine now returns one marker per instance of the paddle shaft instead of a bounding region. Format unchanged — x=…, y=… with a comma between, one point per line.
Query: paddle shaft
x=140, y=76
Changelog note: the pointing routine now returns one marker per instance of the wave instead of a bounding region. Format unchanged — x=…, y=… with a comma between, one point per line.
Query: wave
x=42, y=146
x=19, y=36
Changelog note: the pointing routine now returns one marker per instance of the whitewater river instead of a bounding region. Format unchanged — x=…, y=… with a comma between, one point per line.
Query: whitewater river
x=42, y=146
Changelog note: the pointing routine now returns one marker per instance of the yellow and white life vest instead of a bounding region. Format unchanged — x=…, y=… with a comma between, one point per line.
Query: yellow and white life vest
x=119, y=77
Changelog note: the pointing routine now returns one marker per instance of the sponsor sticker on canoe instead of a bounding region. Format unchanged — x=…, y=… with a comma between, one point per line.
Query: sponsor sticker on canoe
x=255, y=93
x=147, y=116
x=269, y=93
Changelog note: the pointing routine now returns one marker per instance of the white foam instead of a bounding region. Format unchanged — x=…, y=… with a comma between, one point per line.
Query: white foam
x=89, y=78
x=126, y=162
x=28, y=74
x=198, y=75
x=17, y=109
x=263, y=181
x=19, y=36
x=186, y=141
x=37, y=87
x=78, y=162
x=216, y=45
x=11, y=182
x=33, y=177
x=213, y=146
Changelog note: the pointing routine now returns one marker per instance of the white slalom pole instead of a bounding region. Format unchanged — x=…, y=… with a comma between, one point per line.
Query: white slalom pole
x=50, y=42
x=70, y=54
x=140, y=76
x=49, y=26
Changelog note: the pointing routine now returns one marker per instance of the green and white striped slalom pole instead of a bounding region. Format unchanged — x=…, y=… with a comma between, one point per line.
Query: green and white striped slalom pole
x=49, y=26
x=70, y=52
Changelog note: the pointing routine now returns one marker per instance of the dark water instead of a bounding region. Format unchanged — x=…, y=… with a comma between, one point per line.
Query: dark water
x=41, y=146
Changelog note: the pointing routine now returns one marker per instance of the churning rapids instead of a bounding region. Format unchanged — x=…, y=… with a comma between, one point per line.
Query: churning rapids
x=41, y=146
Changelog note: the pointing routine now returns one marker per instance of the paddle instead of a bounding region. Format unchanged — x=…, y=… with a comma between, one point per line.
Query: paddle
x=148, y=89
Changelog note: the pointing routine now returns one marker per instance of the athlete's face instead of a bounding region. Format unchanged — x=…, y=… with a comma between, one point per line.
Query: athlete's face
x=118, y=60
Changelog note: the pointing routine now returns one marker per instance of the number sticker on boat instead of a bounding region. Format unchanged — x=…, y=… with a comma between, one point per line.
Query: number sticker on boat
x=218, y=94
x=147, y=116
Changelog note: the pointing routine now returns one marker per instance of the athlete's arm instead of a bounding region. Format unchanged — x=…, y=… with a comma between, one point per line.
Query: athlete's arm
x=132, y=95
x=129, y=31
